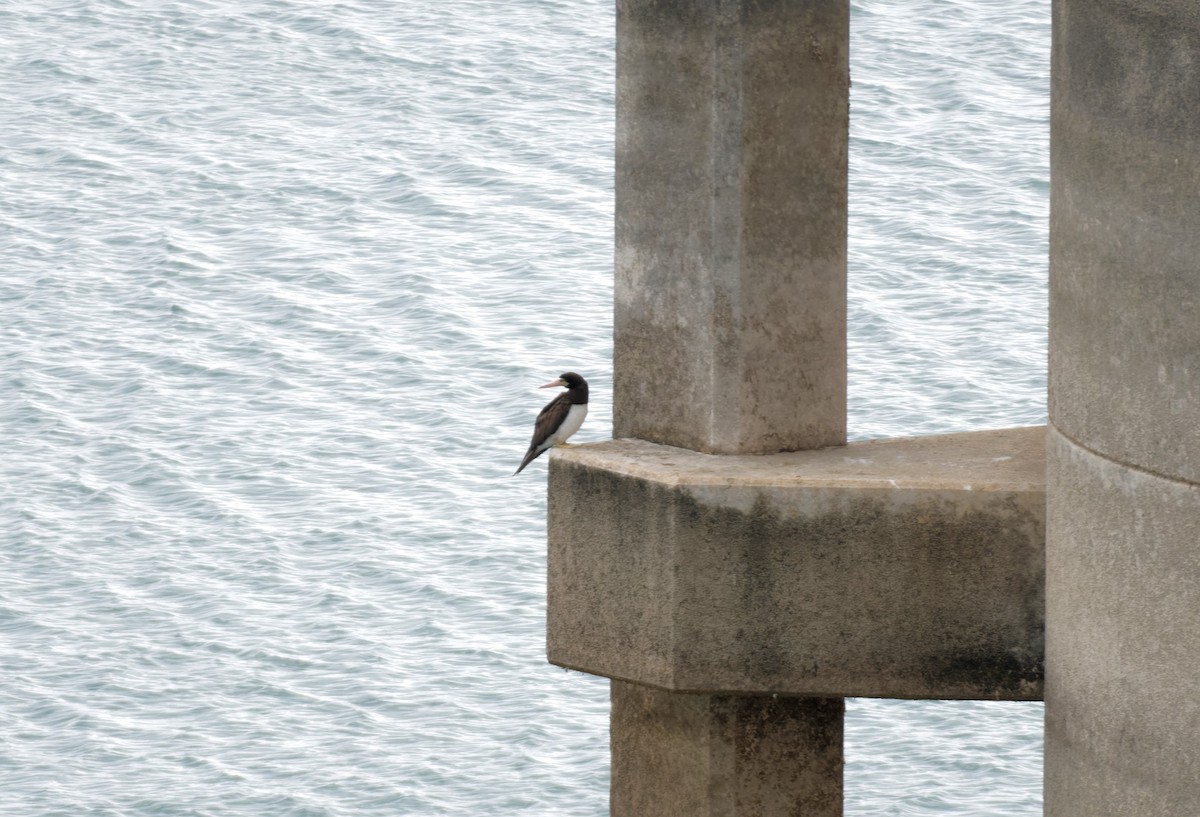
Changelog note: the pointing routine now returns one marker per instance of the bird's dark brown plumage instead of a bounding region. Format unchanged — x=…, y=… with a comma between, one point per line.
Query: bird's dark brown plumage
x=551, y=418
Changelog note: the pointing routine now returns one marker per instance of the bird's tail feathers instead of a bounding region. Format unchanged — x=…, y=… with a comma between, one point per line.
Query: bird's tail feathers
x=529, y=457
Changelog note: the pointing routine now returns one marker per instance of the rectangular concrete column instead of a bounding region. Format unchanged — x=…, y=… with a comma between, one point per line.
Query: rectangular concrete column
x=732, y=129
x=729, y=338
x=724, y=756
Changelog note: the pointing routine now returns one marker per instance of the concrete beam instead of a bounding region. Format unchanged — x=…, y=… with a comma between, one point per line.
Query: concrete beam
x=729, y=331
x=908, y=568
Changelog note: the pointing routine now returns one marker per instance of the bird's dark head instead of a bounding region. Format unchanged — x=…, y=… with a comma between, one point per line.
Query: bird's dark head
x=572, y=381
x=568, y=380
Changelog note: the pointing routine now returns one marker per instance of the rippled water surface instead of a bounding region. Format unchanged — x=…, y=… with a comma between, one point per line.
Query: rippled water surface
x=278, y=280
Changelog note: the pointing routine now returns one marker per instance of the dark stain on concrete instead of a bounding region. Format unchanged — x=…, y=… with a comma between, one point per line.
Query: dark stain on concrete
x=984, y=668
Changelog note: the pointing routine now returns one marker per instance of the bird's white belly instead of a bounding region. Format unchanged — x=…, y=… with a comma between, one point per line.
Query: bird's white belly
x=570, y=425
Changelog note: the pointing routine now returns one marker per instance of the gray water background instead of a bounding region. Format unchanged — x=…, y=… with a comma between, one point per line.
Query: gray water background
x=278, y=279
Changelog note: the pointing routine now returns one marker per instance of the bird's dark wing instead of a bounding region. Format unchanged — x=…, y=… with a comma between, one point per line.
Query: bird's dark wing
x=548, y=420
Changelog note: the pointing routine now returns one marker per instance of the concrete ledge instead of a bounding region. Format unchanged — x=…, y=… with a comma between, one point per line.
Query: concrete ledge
x=908, y=568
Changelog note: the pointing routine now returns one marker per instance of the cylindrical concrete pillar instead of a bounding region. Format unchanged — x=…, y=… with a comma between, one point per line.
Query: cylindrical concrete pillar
x=723, y=755
x=732, y=128
x=1123, y=482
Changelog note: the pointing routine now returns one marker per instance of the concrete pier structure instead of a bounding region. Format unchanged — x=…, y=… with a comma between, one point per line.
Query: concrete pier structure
x=1123, y=549
x=728, y=561
x=737, y=569
x=729, y=338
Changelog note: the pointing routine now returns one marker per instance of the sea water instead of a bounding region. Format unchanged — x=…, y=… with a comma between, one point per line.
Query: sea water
x=278, y=280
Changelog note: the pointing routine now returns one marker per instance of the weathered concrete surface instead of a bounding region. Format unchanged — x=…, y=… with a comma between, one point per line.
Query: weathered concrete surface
x=1123, y=640
x=1123, y=539
x=732, y=128
x=1125, y=231
x=724, y=756
x=908, y=568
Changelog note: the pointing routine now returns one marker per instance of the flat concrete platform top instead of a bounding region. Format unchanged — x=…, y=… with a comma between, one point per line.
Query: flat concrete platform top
x=1011, y=459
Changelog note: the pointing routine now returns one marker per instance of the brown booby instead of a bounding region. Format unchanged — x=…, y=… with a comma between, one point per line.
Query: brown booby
x=561, y=417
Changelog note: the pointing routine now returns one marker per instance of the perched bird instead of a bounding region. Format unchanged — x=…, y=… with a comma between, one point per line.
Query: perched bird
x=561, y=417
